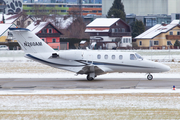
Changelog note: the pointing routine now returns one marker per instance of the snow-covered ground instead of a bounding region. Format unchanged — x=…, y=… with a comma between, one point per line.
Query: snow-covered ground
x=87, y=104
x=90, y=106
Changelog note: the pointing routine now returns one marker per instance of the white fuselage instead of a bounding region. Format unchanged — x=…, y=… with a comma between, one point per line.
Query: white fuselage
x=108, y=61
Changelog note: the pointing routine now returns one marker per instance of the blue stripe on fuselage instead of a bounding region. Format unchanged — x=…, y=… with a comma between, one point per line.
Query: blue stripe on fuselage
x=44, y=61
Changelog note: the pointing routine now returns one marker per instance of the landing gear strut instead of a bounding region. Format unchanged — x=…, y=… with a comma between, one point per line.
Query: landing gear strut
x=149, y=77
x=91, y=76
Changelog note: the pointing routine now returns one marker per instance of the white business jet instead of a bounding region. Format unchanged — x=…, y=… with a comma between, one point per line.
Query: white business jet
x=89, y=62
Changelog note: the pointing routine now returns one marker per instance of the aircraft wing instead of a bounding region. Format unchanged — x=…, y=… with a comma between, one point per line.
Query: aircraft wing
x=98, y=70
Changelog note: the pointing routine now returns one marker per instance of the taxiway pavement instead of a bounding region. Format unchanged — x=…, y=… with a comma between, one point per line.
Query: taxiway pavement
x=98, y=83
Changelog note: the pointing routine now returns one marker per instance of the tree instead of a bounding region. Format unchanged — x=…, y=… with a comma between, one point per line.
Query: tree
x=23, y=17
x=176, y=44
x=137, y=28
x=77, y=28
x=117, y=10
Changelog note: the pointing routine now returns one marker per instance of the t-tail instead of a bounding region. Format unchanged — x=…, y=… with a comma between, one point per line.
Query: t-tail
x=29, y=42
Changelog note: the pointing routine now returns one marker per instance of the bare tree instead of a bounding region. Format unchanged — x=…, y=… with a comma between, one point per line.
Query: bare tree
x=23, y=17
x=77, y=28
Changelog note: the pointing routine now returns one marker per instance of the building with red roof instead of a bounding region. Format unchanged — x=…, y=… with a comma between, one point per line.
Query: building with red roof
x=47, y=32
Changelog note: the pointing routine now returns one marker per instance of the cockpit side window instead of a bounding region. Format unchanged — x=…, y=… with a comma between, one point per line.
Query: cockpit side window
x=132, y=57
x=139, y=56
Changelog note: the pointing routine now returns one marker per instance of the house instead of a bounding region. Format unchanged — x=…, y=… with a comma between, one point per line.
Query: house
x=4, y=31
x=6, y=36
x=109, y=33
x=20, y=20
x=47, y=32
x=160, y=36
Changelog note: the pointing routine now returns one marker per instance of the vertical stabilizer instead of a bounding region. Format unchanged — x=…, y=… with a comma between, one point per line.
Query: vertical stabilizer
x=29, y=42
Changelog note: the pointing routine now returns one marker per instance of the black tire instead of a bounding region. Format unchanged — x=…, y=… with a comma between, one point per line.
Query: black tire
x=89, y=78
x=149, y=77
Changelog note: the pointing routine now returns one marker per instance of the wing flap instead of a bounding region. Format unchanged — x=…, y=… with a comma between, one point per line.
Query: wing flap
x=98, y=70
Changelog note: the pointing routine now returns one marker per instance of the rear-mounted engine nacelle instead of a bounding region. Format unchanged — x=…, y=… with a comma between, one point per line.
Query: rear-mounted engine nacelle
x=71, y=55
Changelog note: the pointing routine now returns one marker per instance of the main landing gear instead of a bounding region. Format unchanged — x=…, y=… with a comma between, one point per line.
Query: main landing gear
x=149, y=77
x=91, y=76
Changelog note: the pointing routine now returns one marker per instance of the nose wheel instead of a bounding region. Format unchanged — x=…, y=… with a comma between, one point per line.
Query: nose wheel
x=91, y=76
x=149, y=77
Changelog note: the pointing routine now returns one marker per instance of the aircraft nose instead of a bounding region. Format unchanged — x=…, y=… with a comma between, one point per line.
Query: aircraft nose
x=165, y=68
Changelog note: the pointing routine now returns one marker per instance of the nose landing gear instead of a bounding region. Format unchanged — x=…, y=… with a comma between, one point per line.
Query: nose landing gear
x=149, y=77
x=91, y=76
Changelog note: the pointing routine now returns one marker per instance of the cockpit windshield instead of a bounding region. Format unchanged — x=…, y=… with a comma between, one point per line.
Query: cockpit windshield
x=139, y=56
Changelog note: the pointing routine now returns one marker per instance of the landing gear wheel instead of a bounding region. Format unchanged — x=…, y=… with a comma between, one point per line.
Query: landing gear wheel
x=89, y=78
x=149, y=77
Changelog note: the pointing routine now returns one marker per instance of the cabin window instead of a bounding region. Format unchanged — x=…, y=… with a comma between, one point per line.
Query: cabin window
x=132, y=57
x=156, y=42
x=105, y=56
x=140, y=43
x=18, y=22
x=120, y=57
x=43, y=39
x=99, y=56
x=29, y=22
x=126, y=40
x=113, y=30
x=99, y=11
x=169, y=43
x=178, y=33
x=97, y=33
x=123, y=30
x=50, y=30
x=10, y=34
x=54, y=40
x=44, y=31
x=170, y=33
x=113, y=57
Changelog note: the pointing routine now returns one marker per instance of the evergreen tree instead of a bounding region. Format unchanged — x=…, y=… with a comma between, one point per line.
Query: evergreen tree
x=117, y=10
x=138, y=28
x=176, y=43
